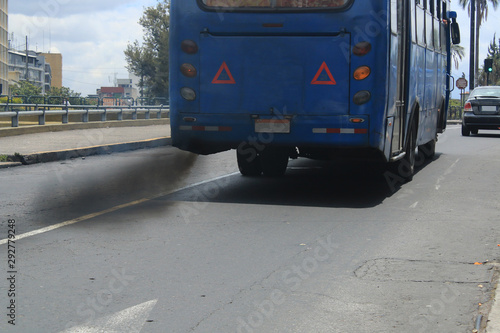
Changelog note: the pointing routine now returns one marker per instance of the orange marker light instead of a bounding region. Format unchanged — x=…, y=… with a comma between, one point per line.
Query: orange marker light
x=188, y=70
x=357, y=120
x=362, y=73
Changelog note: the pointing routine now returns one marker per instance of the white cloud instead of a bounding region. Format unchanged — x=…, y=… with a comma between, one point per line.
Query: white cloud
x=92, y=44
x=63, y=8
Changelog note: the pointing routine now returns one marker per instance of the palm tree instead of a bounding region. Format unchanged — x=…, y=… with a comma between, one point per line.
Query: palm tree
x=457, y=53
x=481, y=16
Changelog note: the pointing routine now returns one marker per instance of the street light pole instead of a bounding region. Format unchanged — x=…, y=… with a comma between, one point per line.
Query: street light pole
x=472, y=52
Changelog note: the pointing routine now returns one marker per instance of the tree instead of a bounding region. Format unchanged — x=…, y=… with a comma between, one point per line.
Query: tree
x=25, y=88
x=481, y=16
x=64, y=92
x=493, y=53
x=457, y=53
x=149, y=60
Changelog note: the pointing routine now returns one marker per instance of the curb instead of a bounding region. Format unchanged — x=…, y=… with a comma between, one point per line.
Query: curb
x=6, y=165
x=493, y=324
x=13, y=131
x=60, y=155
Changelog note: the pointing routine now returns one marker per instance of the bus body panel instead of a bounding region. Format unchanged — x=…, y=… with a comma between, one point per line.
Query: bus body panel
x=262, y=75
x=261, y=66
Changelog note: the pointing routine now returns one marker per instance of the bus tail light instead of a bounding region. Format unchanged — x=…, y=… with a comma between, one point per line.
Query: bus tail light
x=362, y=48
x=357, y=120
x=189, y=46
x=362, y=97
x=468, y=107
x=188, y=94
x=188, y=70
x=362, y=73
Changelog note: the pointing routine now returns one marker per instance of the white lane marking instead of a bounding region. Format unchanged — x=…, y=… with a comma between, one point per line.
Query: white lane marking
x=414, y=205
x=446, y=173
x=91, y=216
x=130, y=320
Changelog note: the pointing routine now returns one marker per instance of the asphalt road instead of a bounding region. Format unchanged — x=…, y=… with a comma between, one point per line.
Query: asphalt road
x=163, y=241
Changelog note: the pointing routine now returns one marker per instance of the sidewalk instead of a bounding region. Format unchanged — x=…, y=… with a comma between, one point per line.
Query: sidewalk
x=66, y=142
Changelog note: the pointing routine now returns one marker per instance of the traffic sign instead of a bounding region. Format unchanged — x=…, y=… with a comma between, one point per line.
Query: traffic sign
x=462, y=83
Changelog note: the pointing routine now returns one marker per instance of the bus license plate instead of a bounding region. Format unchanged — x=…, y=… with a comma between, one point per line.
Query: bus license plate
x=272, y=126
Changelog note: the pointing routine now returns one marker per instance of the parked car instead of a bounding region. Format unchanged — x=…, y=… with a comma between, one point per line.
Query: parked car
x=481, y=110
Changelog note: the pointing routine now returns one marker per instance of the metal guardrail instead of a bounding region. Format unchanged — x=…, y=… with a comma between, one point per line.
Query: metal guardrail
x=42, y=110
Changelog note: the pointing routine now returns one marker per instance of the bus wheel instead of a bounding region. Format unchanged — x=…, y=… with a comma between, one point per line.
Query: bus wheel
x=248, y=162
x=274, y=161
x=428, y=151
x=405, y=167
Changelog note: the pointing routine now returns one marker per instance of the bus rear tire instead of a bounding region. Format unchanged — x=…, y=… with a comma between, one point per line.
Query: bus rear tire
x=274, y=161
x=249, y=162
x=405, y=168
x=428, y=151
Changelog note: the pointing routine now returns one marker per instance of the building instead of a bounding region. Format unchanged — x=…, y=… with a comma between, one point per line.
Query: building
x=111, y=92
x=56, y=65
x=124, y=90
x=128, y=86
x=29, y=66
x=4, y=47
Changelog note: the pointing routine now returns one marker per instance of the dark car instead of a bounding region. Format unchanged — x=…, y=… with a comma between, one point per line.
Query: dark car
x=482, y=110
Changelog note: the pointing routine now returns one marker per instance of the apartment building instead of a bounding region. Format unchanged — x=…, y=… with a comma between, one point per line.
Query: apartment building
x=4, y=47
x=29, y=66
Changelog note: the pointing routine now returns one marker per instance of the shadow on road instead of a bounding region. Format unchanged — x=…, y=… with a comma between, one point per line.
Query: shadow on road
x=306, y=183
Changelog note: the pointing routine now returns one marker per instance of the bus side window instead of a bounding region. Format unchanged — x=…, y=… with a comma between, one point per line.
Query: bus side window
x=429, y=30
x=420, y=21
x=437, y=35
x=394, y=17
x=413, y=22
x=443, y=38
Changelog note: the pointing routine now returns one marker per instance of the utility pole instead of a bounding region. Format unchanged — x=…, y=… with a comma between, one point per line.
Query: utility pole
x=472, y=71
x=26, y=77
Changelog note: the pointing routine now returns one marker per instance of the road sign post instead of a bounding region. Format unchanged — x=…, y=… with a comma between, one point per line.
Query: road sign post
x=462, y=84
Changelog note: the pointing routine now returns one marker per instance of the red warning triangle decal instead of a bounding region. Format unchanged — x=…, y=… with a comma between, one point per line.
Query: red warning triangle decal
x=224, y=75
x=324, y=76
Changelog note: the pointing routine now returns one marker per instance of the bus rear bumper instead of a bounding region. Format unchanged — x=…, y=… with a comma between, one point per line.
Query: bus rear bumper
x=208, y=134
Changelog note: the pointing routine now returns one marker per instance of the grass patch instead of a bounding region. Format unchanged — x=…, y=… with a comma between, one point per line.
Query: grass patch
x=4, y=158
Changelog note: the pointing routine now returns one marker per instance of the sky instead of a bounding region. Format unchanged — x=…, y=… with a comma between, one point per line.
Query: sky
x=92, y=35
x=487, y=32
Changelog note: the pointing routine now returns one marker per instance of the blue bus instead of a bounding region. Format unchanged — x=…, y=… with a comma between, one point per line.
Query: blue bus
x=322, y=79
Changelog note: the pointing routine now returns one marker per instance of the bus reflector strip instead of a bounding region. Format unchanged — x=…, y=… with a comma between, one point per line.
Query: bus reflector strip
x=340, y=130
x=206, y=128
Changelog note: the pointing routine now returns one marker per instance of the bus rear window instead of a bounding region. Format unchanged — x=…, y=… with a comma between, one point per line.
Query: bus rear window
x=285, y=4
